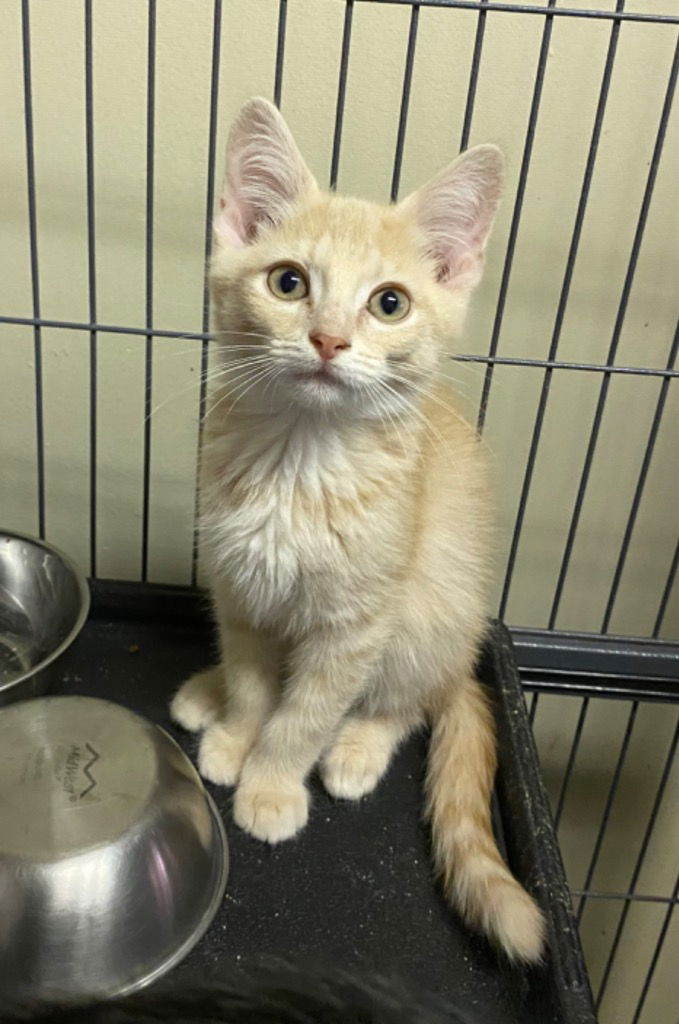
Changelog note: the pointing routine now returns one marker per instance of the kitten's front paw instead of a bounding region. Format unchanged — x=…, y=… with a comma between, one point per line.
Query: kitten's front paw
x=199, y=700
x=351, y=776
x=355, y=765
x=221, y=754
x=271, y=811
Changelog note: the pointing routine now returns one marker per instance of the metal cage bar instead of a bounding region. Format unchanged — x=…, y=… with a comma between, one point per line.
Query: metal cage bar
x=562, y=12
x=667, y=590
x=341, y=92
x=280, y=51
x=91, y=279
x=656, y=953
x=561, y=308
x=473, y=76
x=35, y=275
x=405, y=101
x=641, y=483
x=610, y=799
x=615, y=339
x=148, y=302
x=630, y=895
x=516, y=214
x=624, y=897
x=209, y=206
x=159, y=332
x=577, y=736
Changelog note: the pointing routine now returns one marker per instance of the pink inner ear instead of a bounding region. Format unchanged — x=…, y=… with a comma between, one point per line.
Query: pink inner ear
x=455, y=212
x=462, y=258
x=456, y=227
x=228, y=225
x=265, y=175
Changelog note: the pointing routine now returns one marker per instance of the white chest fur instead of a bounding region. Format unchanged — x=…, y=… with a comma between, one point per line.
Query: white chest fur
x=286, y=519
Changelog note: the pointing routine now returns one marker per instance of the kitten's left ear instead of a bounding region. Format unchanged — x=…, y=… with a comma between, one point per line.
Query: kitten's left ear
x=455, y=212
x=265, y=174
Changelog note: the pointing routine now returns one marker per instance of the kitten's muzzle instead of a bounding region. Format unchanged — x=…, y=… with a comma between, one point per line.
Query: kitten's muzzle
x=328, y=346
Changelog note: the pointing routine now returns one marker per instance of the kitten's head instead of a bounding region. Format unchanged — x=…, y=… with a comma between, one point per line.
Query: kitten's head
x=324, y=302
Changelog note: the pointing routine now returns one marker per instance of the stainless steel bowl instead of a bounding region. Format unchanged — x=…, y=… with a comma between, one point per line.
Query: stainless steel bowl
x=44, y=601
x=113, y=858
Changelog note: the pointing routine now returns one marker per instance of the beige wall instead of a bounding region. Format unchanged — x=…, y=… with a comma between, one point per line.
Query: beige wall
x=248, y=43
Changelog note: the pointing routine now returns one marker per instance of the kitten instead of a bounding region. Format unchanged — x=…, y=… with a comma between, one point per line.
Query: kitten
x=345, y=508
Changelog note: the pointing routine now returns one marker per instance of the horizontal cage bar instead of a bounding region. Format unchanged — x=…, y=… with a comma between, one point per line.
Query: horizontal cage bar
x=158, y=332
x=634, y=897
x=513, y=8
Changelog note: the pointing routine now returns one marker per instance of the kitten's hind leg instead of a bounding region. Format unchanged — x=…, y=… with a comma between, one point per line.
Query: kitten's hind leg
x=199, y=701
x=361, y=753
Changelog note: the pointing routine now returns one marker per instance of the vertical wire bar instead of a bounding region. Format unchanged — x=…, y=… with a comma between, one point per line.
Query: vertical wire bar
x=516, y=214
x=91, y=281
x=667, y=590
x=209, y=205
x=148, y=373
x=533, y=708
x=561, y=308
x=617, y=329
x=577, y=735
x=641, y=483
x=473, y=78
x=405, y=101
x=341, y=92
x=656, y=954
x=35, y=276
x=280, y=51
x=615, y=781
x=641, y=856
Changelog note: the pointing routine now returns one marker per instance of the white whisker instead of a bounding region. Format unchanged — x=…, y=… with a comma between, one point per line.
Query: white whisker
x=383, y=407
x=417, y=412
x=210, y=375
x=244, y=381
x=267, y=371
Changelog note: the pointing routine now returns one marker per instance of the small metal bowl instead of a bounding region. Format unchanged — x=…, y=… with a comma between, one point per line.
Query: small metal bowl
x=44, y=601
x=113, y=858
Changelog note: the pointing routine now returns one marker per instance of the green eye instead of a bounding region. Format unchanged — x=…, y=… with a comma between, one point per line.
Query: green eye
x=287, y=283
x=389, y=304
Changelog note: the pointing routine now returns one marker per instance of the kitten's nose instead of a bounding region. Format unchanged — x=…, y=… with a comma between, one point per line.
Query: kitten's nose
x=328, y=345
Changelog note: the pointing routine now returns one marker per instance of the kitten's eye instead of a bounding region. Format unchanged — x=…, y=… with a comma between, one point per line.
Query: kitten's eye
x=389, y=304
x=287, y=283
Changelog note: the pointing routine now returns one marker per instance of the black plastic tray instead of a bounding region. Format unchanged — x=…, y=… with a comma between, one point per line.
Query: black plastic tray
x=356, y=888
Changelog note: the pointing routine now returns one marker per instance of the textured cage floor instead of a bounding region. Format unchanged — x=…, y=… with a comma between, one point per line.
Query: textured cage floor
x=355, y=889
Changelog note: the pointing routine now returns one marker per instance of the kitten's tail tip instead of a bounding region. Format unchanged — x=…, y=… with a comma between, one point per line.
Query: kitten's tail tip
x=517, y=924
x=476, y=879
x=505, y=912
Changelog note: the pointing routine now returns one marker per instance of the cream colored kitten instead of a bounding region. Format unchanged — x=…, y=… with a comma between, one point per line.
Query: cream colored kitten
x=345, y=510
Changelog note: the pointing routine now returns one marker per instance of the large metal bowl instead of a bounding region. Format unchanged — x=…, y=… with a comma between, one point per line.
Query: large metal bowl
x=113, y=859
x=44, y=601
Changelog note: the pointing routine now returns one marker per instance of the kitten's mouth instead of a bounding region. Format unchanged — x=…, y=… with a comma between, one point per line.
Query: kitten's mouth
x=323, y=375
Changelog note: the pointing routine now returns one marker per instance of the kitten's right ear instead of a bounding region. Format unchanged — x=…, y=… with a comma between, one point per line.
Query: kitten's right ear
x=265, y=174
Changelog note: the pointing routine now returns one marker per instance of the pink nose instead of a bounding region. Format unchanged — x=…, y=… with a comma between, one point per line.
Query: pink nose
x=327, y=345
